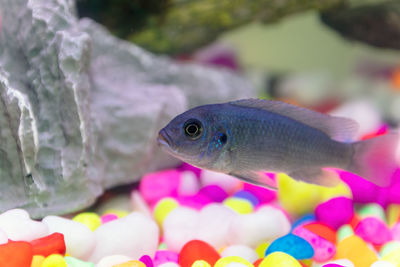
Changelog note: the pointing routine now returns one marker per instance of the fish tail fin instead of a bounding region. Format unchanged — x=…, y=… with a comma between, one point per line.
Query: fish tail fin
x=376, y=159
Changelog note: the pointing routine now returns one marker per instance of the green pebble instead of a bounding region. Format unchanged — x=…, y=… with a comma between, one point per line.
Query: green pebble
x=389, y=247
x=162, y=246
x=73, y=262
x=344, y=231
x=372, y=210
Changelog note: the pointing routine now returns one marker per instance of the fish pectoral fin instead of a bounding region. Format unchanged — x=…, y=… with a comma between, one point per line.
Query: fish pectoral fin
x=256, y=178
x=316, y=176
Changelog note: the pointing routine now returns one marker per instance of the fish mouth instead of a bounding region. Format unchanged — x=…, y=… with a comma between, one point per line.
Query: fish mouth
x=164, y=139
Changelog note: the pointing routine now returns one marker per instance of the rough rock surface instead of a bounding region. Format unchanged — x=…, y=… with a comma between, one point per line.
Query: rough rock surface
x=80, y=109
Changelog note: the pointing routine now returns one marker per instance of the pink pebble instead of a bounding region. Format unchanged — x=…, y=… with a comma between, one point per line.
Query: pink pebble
x=108, y=218
x=373, y=230
x=157, y=185
x=188, y=167
x=396, y=232
x=214, y=192
x=146, y=260
x=264, y=195
x=335, y=212
x=363, y=191
x=163, y=256
x=323, y=249
x=197, y=201
x=332, y=265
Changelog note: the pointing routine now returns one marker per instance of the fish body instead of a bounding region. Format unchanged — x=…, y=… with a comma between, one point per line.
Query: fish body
x=247, y=138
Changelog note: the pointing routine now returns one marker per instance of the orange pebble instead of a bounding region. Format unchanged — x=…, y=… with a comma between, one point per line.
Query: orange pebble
x=356, y=250
x=354, y=221
x=323, y=231
x=197, y=250
x=16, y=254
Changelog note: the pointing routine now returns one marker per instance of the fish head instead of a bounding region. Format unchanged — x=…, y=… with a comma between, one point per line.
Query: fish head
x=191, y=136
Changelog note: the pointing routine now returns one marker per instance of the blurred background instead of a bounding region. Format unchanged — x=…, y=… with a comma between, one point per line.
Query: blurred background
x=339, y=56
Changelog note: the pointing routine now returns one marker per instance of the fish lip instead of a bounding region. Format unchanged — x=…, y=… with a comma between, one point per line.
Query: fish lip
x=164, y=139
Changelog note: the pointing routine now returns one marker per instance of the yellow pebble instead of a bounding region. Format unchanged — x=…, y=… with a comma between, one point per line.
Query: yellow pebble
x=276, y=259
x=133, y=263
x=37, y=260
x=163, y=208
x=90, y=219
x=240, y=205
x=120, y=213
x=232, y=259
x=299, y=198
x=352, y=248
x=200, y=263
x=260, y=250
x=54, y=260
x=393, y=214
x=393, y=257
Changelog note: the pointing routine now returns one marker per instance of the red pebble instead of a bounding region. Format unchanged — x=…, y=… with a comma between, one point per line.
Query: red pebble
x=322, y=230
x=257, y=262
x=51, y=244
x=355, y=221
x=197, y=250
x=16, y=254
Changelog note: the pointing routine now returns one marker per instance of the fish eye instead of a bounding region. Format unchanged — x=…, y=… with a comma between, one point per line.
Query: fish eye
x=193, y=128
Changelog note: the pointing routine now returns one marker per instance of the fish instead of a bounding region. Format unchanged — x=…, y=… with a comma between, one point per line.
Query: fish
x=249, y=137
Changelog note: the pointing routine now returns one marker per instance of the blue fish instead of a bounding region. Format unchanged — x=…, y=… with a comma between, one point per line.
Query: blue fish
x=247, y=138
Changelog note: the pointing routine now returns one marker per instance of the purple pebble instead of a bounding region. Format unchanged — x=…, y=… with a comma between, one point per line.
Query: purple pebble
x=197, y=201
x=335, y=212
x=146, y=260
x=332, y=265
x=248, y=196
x=187, y=167
x=163, y=256
x=214, y=192
x=373, y=230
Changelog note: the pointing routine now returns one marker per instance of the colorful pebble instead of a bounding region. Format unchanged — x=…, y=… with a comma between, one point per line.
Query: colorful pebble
x=235, y=260
x=16, y=254
x=197, y=250
x=132, y=263
x=90, y=219
x=163, y=208
x=54, y=260
x=279, y=259
x=201, y=263
x=240, y=205
x=335, y=212
x=373, y=230
x=73, y=262
x=352, y=247
x=52, y=244
x=293, y=245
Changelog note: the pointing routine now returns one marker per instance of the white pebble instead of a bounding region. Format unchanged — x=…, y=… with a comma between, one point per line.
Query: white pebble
x=214, y=223
x=18, y=226
x=189, y=184
x=242, y=251
x=169, y=264
x=139, y=204
x=132, y=236
x=79, y=239
x=109, y=261
x=227, y=182
x=382, y=264
x=266, y=224
x=179, y=227
x=3, y=237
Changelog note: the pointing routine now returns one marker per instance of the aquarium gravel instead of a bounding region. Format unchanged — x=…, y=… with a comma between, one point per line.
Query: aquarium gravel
x=190, y=217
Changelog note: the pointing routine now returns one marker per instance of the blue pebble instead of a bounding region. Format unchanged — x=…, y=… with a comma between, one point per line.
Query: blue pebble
x=303, y=220
x=248, y=196
x=293, y=245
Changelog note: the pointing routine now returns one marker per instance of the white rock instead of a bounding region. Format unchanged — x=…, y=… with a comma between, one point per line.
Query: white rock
x=179, y=227
x=109, y=261
x=242, y=251
x=266, y=224
x=79, y=239
x=213, y=225
x=132, y=236
x=169, y=264
x=189, y=183
x=18, y=226
x=382, y=264
x=3, y=237
x=227, y=182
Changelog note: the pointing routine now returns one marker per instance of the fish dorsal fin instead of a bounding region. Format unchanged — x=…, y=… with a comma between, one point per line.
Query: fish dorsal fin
x=338, y=128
